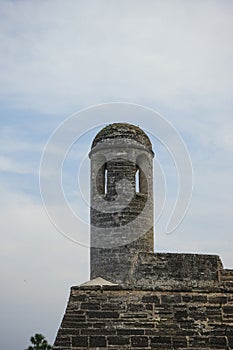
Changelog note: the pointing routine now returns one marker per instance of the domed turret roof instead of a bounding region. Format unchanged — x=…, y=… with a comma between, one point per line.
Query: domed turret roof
x=122, y=130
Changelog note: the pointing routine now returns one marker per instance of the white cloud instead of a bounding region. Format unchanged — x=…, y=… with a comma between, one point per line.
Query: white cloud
x=36, y=261
x=14, y=139
x=175, y=55
x=74, y=53
x=9, y=165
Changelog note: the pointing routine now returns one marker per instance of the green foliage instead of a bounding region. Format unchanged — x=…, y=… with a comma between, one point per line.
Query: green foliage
x=39, y=343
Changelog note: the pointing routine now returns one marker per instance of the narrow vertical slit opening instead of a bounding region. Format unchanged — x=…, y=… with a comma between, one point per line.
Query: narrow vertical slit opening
x=137, y=184
x=105, y=181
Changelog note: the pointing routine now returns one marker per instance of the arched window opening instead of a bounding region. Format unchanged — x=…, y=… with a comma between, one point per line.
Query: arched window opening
x=137, y=183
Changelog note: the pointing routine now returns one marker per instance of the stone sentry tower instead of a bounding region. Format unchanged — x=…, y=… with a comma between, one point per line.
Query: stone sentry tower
x=121, y=201
x=138, y=299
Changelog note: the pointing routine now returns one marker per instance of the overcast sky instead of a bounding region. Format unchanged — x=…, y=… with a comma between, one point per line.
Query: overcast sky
x=58, y=57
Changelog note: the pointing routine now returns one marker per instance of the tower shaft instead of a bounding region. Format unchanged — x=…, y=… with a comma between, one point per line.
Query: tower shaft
x=121, y=201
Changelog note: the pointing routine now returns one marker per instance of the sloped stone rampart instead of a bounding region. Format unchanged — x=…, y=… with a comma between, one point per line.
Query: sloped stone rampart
x=114, y=317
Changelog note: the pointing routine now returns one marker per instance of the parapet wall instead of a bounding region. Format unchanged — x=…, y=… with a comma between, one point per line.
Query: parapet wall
x=162, y=270
x=168, y=270
x=113, y=317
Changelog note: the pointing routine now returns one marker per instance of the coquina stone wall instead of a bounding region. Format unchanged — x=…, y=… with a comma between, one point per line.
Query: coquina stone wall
x=112, y=317
x=184, y=306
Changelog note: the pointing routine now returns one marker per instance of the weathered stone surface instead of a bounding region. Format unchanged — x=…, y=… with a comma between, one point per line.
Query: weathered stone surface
x=176, y=270
x=175, y=319
x=122, y=130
